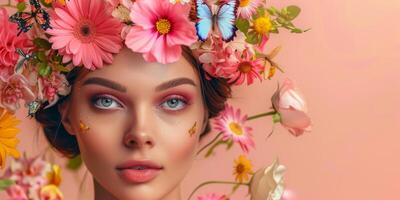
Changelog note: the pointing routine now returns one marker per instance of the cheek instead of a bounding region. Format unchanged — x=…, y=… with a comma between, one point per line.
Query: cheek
x=103, y=139
x=179, y=140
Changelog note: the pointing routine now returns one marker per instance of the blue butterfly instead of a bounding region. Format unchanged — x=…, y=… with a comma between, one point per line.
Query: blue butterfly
x=224, y=19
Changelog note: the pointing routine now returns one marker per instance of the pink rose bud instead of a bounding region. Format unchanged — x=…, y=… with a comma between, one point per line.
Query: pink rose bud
x=292, y=109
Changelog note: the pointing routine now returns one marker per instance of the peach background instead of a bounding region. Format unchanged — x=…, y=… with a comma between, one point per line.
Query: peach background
x=347, y=67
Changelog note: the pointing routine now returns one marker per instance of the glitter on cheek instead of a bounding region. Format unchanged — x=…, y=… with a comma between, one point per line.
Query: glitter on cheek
x=192, y=130
x=83, y=128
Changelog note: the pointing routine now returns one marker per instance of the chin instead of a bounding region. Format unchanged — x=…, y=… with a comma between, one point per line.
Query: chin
x=139, y=192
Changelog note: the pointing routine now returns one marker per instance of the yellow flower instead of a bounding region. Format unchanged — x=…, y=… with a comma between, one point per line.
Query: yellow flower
x=54, y=176
x=51, y=192
x=263, y=24
x=8, y=132
x=244, y=3
x=242, y=169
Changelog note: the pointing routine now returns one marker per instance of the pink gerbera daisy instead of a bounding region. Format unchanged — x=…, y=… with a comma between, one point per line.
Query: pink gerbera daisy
x=232, y=124
x=247, y=8
x=160, y=29
x=248, y=68
x=84, y=33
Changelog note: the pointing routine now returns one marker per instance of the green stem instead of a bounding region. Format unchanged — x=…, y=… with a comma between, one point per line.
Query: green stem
x=8, y=5
x=220, y=133
x=208, y=144
x=215, y=182
x=261, y=115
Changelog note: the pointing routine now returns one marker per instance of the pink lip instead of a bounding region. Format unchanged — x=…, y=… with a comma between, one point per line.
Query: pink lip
x=148, y=171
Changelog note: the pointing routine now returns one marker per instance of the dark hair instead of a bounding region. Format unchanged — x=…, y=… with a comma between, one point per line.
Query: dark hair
x=215, y=92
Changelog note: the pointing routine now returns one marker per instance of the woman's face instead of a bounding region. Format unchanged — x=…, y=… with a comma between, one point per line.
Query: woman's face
x=133, y=112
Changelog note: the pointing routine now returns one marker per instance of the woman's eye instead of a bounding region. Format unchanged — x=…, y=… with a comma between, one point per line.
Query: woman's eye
x=173, y=104
x=104, y=102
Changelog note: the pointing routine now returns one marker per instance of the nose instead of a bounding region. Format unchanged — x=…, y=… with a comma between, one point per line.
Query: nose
x=140, y=133
x=138, y=140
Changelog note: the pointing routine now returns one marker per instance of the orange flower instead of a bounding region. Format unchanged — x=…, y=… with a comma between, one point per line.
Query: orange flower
x=8, y=132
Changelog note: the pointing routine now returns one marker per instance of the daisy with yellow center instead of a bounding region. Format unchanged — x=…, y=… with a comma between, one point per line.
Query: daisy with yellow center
x=160, y=29
x=8, y=132
x=247, y=8
x=242, y=169
x=248, y=68
x=232, y=124
x=163, y=26
x=262, y=26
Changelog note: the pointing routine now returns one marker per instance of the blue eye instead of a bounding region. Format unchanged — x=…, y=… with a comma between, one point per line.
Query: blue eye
x=173, y=104
x=104, y=102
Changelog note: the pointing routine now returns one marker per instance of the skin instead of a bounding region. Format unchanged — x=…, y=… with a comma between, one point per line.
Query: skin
x=145, y=120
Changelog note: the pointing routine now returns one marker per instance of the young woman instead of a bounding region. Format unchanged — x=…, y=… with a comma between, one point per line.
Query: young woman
x=143, y=123
x=131, y=85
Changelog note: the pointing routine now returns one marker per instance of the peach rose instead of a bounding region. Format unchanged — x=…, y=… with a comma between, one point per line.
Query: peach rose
x=267, y=183
x=292, y=109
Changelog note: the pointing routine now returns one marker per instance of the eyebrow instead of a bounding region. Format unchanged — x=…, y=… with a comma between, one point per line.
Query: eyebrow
x=116, y=86
x=105, y=82
x=174, y=83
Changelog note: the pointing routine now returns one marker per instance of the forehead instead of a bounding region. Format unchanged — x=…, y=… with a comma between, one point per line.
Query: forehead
x=130, y=69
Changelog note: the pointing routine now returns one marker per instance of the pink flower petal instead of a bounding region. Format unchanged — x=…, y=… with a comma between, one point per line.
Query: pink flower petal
x=140, y=40
x=297, y=121
x=74, y=46
x=165, y=54
x=66, y=18
x=142, y=15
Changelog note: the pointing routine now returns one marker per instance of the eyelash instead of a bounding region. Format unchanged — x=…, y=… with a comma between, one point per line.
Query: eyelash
x=103, y=97
x=163, y=104
x=174, y=97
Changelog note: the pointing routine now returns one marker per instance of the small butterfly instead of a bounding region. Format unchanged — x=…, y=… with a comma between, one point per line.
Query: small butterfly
x=33, y=107
x=224, y=19
x=25, y=20
x=23, y=57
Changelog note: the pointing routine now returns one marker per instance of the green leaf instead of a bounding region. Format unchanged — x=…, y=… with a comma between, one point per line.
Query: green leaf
x=74, y=163
x=44, y=69
x=243, y=25
x=284, y=12
x=57, y=58
x=48, y=5
x=281, y=20
x=42, y=43
x=21, y=6
x=274, y=30
x=260, y=11
x=5, y=183
x=292, y=12
x=276, y=118
x=273, y=11
x=296, y=30
x=234, y=188
x=229, y=144
x=211, y=150
x=61, y=68
x=253, y=37
x=41, y=56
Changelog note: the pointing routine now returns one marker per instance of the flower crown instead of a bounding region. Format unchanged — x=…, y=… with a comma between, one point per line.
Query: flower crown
x=46, y=39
